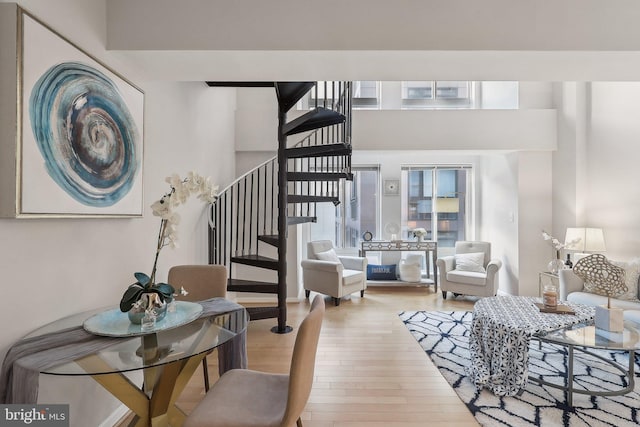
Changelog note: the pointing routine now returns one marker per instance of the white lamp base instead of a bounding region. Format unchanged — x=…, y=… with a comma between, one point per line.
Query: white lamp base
x=609, y=319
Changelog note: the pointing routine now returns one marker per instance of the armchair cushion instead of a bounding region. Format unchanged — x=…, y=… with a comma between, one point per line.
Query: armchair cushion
x=472, y=261
x=467, y=277
x=329, y=255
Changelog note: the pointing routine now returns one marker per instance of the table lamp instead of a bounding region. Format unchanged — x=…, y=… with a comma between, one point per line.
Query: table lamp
x=606, y=279
x=584, y=240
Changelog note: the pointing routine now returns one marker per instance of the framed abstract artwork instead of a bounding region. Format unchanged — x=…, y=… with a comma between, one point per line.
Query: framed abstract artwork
x=79, y=144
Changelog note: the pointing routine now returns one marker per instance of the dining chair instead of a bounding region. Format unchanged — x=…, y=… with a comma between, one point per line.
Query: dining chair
x=247, y=398
x=201, y=282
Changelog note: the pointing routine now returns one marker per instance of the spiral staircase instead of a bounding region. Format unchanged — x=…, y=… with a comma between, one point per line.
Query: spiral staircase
x=250, y=219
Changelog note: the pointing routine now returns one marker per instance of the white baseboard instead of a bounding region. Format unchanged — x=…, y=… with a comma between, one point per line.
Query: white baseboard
x=116, y=417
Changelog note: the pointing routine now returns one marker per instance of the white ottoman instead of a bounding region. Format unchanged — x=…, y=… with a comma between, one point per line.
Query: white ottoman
x=410, y=268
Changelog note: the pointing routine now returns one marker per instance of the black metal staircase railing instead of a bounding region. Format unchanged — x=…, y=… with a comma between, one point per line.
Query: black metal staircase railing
x=251, y=215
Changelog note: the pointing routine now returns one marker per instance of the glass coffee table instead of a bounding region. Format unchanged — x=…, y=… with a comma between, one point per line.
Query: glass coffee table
x=585, y=338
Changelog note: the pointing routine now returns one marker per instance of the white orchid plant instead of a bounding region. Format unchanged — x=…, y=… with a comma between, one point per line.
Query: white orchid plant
x=557, y=244
x=180, y=191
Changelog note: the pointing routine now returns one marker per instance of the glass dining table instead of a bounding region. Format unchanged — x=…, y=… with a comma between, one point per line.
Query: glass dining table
x=88, y=345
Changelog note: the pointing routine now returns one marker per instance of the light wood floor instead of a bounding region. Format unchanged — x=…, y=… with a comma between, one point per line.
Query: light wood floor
x=369, y=371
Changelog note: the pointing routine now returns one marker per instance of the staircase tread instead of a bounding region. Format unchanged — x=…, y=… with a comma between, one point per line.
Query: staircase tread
x=255, y=257
x=289, y=93
x=318, y=176
x=303, y=198
x=320, y=150
x=294, y=220
x=243, y=285
x=255, y=260
x=271, y=239
x=314, y=119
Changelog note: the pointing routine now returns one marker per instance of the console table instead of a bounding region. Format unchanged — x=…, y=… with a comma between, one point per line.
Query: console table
x=427, y=246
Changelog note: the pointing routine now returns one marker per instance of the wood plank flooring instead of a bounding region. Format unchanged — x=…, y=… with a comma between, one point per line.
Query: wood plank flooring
x=369, y=371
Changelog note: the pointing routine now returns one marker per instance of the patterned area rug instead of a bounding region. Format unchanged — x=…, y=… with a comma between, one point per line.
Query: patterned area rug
x=444, y=337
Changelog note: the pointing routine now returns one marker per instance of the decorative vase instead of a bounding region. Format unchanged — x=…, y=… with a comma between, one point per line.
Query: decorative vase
x=138, y=311
x=555, y=265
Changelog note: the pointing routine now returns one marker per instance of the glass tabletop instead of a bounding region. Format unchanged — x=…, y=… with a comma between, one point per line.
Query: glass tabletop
x=115, y=323
x=587, y=335
x=130, y=353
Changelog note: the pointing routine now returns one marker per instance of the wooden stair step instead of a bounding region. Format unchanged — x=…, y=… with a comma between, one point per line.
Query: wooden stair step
x=289, y=93
x=294, y=220
x=314, y=119
x=320, y=150
x=256, y=261
x=242, y=285
x=270, y=239
x=302, y=198
x=318, y=176
x=259, y=313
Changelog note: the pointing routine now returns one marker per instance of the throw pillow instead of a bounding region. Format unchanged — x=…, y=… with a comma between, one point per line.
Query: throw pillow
x=631, y=275
x=329, y=255
x=381, y=272
x=473, y=261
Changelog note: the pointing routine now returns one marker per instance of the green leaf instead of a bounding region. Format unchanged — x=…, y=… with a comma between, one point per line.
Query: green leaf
x=142, y=278
x=165, y=291
x=131, y=295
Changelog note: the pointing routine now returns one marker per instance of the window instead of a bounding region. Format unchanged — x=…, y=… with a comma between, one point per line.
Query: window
x=366, y=94
x=437, y=94
x=436, y=198
x=357, y=212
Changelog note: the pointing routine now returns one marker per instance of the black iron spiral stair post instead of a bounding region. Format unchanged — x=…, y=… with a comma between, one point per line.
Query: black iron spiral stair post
x=282, y=225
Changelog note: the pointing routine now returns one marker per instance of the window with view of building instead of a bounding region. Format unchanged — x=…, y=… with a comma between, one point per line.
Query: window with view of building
x=437, y=94
x=421, y=95
x=357, y=212
x=366, y=94
x=436, y=198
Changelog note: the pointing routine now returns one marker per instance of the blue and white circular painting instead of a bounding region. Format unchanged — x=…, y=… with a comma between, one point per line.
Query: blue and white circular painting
x=85, y=133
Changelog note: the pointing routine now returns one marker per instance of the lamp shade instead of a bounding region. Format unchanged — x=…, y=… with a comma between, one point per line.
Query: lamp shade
x=585, y=239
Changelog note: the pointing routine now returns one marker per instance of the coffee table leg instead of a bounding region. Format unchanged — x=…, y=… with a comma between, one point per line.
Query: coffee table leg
x=570, y=376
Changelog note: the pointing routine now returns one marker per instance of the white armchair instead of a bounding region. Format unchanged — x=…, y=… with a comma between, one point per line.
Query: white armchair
x=329, y=274
x=469, y=276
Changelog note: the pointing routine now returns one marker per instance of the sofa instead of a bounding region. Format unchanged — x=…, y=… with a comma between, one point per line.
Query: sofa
x=572, y=289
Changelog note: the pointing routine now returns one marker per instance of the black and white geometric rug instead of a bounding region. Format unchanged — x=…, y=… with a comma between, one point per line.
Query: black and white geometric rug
x=444, y=337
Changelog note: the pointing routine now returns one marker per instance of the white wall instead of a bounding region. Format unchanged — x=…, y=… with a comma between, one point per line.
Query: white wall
x=498, y=209
x=56, y=267
x=613, y=150
x=454, y=129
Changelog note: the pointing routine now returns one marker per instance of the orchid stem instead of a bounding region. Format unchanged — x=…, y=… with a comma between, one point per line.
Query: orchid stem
x=163, y=225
